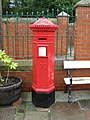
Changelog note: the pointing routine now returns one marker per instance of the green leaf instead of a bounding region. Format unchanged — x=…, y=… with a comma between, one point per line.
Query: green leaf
x=13, y=65
x=2, y=53
x=6, y=59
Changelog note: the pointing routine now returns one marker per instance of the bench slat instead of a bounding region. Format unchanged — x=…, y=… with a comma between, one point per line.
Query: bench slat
x=78, y=80
x=76, y=64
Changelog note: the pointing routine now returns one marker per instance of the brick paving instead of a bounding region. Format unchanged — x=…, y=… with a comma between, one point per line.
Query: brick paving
x=79, y=109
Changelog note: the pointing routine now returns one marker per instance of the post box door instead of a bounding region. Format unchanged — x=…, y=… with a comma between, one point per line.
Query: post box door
x=42, y=62
x=42, y=72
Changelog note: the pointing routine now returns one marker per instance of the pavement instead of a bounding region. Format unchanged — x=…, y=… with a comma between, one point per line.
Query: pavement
x=79, y=109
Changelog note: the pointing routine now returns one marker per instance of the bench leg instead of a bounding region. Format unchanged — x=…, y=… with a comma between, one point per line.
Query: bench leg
x=69, y=94
x=66, y=89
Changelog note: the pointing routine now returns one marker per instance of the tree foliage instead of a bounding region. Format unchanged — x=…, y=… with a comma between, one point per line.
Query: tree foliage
x=37, y=6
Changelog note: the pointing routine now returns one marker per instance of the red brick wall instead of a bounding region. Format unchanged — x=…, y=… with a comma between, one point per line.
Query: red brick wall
x=22, y=44
x=82, y=28
x=59, y=76
x=62, y=23
x=65, y=34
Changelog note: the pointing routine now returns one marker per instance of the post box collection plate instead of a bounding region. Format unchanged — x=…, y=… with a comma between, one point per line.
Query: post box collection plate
x=42, y=51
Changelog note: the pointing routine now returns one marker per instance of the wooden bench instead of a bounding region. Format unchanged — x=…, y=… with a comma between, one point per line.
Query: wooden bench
x=69, y=80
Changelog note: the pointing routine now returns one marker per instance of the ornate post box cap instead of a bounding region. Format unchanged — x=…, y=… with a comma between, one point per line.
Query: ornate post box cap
x=43, y=23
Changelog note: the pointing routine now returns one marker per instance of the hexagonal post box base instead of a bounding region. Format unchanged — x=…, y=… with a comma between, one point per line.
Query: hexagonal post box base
x=43, y=99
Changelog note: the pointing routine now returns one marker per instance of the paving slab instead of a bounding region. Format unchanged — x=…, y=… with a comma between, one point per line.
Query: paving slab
x=66, y=111
x=60, y=96
x=21, y=108
x=7, y=113
x=36, y=115
x=79, y=109
x=26, y=96
x=30, y=106
x=19, y=117
x=84, y=104
x=87, y=114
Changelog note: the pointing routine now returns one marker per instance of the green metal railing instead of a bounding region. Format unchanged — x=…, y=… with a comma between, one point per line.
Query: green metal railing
x=16, y=38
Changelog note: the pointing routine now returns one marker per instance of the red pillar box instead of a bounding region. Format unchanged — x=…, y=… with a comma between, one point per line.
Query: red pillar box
x=43, y=39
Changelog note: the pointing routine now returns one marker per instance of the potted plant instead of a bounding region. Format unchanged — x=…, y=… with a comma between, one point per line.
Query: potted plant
x=10, y=87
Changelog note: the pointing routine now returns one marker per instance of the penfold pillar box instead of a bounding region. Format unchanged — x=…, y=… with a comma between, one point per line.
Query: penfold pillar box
x=43, y=42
